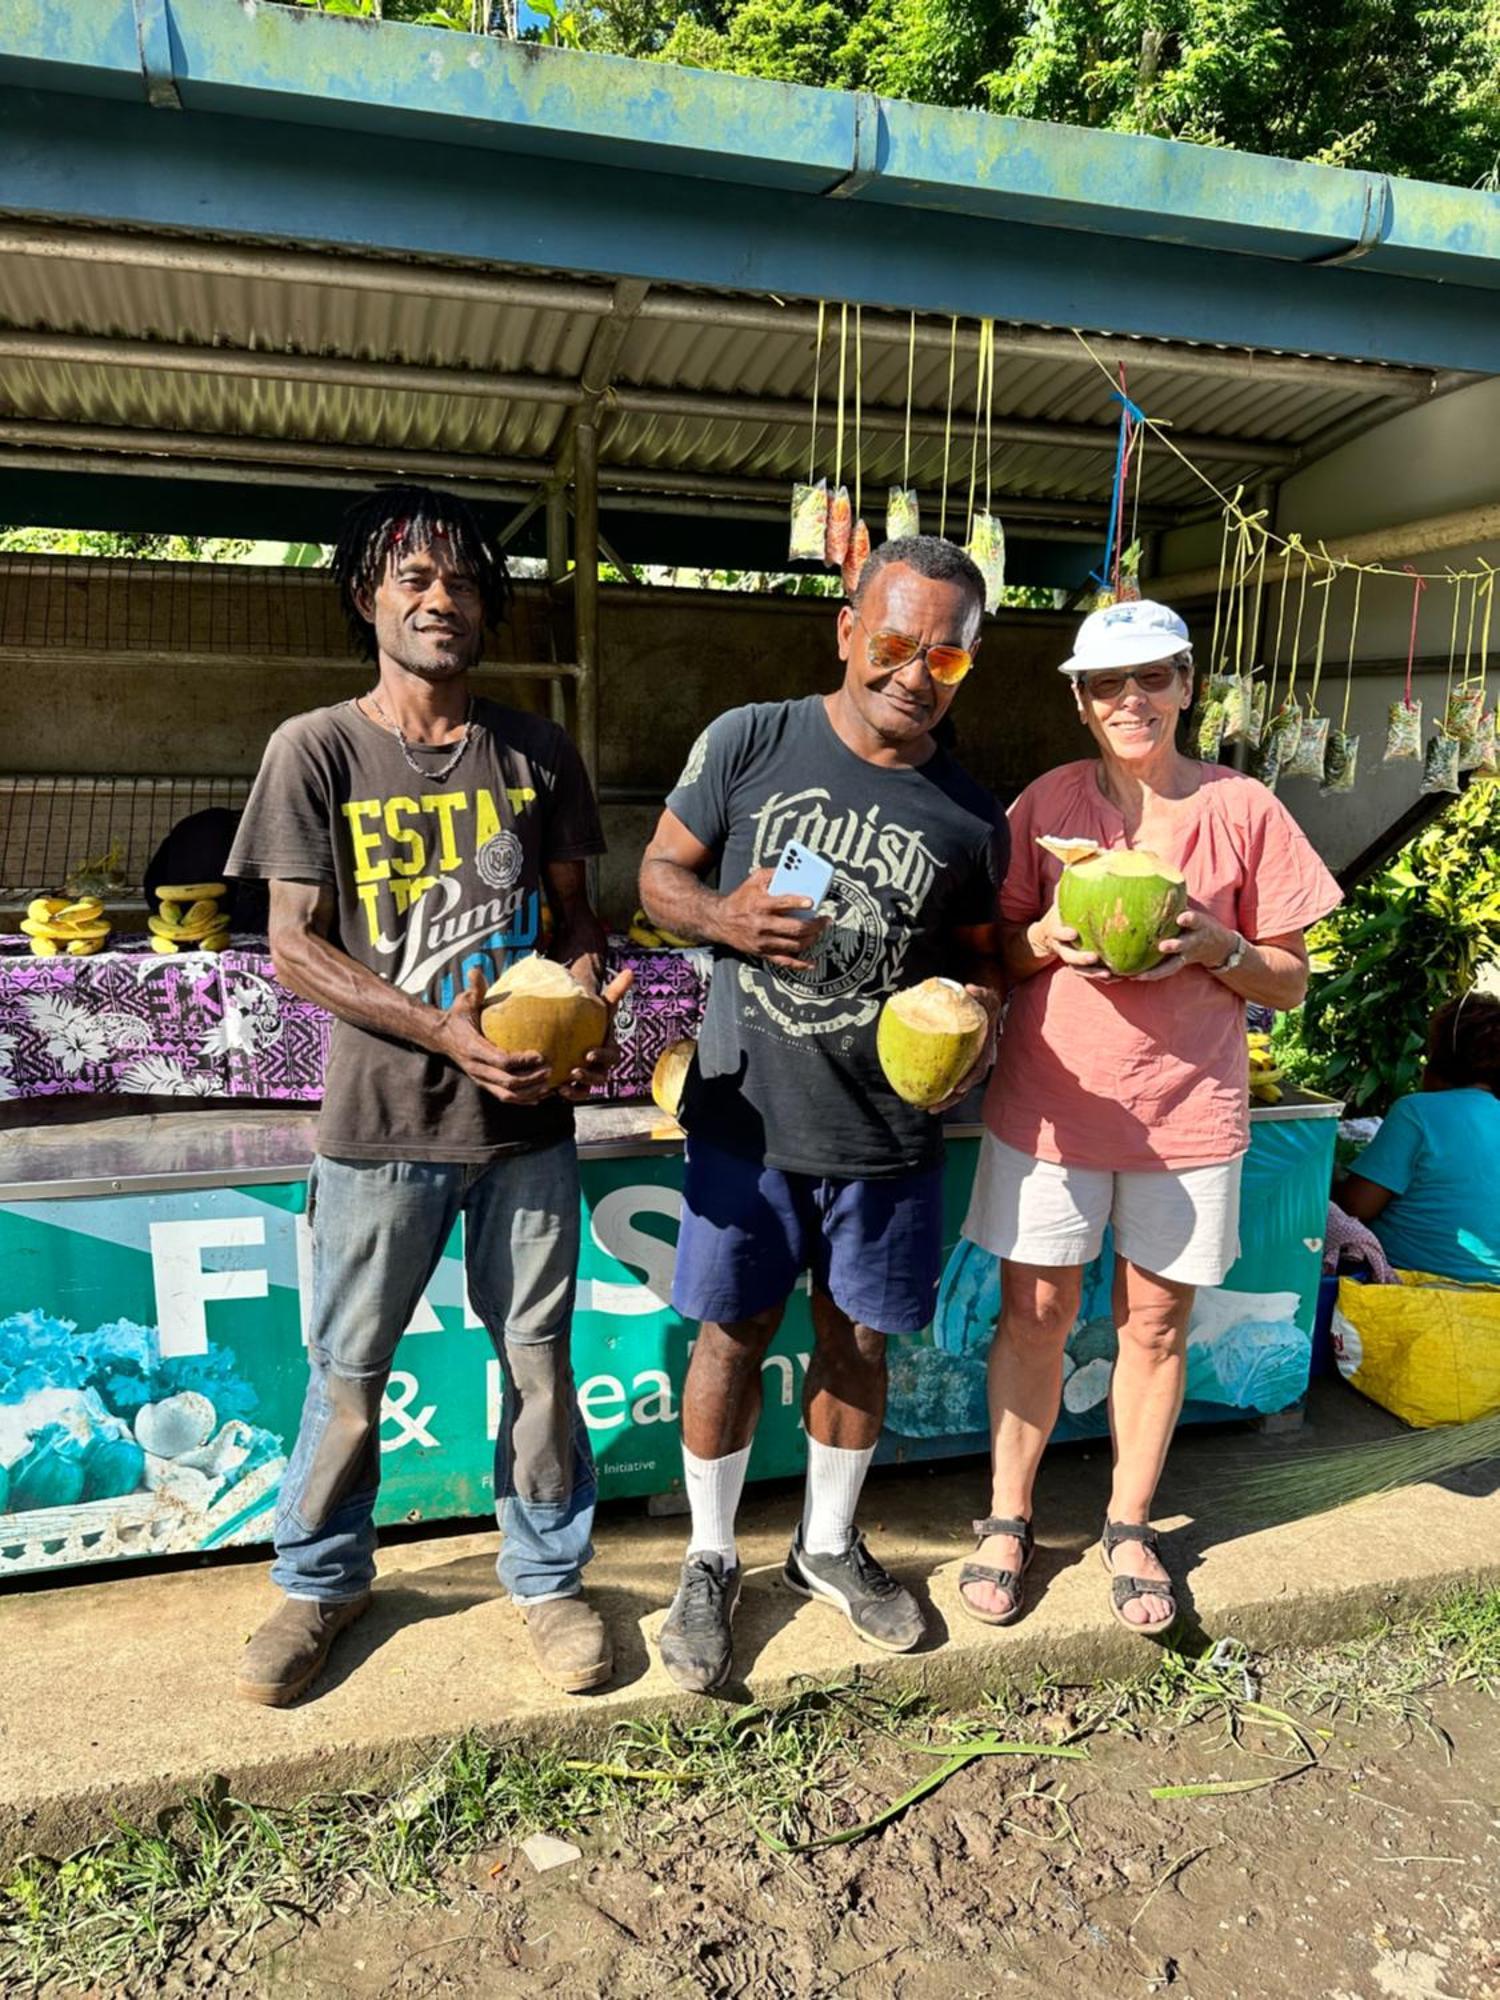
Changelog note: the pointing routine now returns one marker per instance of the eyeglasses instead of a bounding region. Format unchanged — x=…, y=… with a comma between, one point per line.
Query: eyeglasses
x=890, y=651
x=1153, y=679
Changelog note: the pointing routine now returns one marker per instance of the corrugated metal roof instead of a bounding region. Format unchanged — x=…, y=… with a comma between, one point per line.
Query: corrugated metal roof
x=403, y=321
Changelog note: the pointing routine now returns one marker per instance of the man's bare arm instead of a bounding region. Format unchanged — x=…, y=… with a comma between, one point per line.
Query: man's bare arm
x=752, y=923
x=579, y=940
x=305, y=959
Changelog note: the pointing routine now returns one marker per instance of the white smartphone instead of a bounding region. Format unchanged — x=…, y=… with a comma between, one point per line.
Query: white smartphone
x=800, y=872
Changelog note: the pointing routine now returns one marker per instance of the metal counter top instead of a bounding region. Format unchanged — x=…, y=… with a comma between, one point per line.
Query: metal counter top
x=176, y=1151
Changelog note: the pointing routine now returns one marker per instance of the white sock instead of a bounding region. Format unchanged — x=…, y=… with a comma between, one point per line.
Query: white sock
x=834, y=1480
x=714, y=1486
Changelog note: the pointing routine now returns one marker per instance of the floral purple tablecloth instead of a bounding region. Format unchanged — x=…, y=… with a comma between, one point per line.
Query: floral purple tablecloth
x=129, y=1022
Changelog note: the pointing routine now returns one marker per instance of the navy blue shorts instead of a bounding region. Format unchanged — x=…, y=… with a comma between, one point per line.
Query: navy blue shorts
x=750, y=1231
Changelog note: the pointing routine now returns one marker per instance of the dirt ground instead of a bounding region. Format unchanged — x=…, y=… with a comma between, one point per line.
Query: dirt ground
x=1374, y=1875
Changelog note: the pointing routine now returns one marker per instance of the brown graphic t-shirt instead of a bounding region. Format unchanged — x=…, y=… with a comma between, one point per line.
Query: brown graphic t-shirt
x=432, y=877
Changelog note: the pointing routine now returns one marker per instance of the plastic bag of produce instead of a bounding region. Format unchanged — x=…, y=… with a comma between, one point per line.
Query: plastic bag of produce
x=987, y=551
x=1403, y=733
x=1340, y=761
x=1440, y=766
x=902, y=514
x=840, y=527
x=1278, y=739
x=1461, y=714
x=809, y=522
x=1309, y=749
x=855, y=557
x=1479, y=745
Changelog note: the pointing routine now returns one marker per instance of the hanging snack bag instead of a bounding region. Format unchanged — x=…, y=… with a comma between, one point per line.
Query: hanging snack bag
x=1403, y=733
x=902, y=515
x=1236, y=708
x=1340, y=761
x=1486, y=761
x=1440, y=766
x=1462, y=712
x=840, y=527
x=857, y=555
x=1277, y=742
x=1309, y=748
x=809, y=522
x=987, y=552
x=1209, y=725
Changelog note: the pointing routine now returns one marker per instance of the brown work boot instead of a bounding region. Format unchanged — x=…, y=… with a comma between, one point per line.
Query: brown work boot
x=286, y=1655
x=570, y=1643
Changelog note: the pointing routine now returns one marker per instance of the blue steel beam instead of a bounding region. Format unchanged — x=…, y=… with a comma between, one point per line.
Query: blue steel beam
x=127, y=164
x=290, y=64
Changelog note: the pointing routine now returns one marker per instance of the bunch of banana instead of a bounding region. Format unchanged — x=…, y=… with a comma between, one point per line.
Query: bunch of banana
x=1265, y=1076
x=190, y=918
x=56, y=925
x=644, y=932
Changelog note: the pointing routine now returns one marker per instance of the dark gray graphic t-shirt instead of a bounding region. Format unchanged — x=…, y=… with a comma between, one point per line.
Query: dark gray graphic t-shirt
x=433, y=877
x=787, y=1070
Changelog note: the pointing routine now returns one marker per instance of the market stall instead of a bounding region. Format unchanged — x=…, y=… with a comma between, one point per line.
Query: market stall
x=155, y=1287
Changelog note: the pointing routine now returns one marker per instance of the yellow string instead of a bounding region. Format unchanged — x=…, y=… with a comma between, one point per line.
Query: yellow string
x=1326, y=586
x=1286, y=577
x=812, y=449
x=1213, y=644
x=948, y=428
x=989, y=408
x=838, y=455
x=1458, y=598
x=911, y=374
x=1359, y=584
x=974, y=450
x=1484, y=637
x=1469, y=638
x=859, y=415
x=1291, y=686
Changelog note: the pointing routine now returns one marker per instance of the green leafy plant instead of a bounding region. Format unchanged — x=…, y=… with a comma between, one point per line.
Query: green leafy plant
x=1412, y=935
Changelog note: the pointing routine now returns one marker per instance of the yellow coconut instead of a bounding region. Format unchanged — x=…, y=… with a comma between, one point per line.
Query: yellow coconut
x=670, y=1074
x=537, y=1004
x=928, y=1038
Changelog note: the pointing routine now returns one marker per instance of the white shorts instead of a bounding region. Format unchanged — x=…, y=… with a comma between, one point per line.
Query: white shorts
x=1183, y=1224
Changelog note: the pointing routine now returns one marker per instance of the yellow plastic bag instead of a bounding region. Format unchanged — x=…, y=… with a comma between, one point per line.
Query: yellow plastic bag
x=1427, y=1349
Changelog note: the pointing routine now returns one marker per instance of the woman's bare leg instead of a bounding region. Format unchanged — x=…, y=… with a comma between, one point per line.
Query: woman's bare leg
x=1145, y=1397
x=1038, y=1305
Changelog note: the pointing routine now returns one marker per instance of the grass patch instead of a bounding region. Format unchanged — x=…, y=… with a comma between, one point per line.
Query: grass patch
x=219, y=1869
x=818, y=1768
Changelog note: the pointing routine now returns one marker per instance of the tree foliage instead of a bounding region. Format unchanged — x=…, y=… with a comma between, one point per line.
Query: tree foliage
x=1378, y=84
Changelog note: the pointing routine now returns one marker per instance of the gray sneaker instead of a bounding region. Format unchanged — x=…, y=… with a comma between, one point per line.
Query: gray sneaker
x=880, y=1609
x=695, y=1644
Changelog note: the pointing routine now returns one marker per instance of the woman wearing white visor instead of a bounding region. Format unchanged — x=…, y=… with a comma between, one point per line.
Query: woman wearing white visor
x=1125, y=1101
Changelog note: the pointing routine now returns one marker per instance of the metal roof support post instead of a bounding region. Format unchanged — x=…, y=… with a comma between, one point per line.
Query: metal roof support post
x=557, y=571
x=586, y=599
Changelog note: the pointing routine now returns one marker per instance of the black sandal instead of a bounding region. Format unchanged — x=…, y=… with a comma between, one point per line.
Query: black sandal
x=1003, y=1579
x=1124, y=1590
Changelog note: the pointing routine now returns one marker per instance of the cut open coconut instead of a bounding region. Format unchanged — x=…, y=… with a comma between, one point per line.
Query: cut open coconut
x=928, y=1039
x=1122, y=901
x=538, y=1004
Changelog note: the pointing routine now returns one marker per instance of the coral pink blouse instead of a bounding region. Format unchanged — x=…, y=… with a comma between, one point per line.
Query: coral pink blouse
x=1121, y=1075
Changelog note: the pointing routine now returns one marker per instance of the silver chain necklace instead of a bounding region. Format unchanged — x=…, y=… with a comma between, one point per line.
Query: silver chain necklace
x=435, y=772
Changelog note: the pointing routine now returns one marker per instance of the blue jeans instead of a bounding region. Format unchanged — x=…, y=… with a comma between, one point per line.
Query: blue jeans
x=378, y=1230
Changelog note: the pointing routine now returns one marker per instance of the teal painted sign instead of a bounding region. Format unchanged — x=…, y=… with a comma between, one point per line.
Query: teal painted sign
x=152, y=1370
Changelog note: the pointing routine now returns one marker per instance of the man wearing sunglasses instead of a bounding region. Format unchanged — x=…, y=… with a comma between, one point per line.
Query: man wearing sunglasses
x=800, y=1157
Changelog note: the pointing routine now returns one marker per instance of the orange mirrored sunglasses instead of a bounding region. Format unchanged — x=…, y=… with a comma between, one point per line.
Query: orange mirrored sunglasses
x=889, y=651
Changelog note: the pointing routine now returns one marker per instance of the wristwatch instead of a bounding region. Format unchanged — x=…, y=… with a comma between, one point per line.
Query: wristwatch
x=1236, y=955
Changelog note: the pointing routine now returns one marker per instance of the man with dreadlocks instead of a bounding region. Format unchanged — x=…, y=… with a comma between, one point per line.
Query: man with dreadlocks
x=410, y=837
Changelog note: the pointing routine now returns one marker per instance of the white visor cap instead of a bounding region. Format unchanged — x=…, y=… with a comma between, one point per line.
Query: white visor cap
x=1127, y=635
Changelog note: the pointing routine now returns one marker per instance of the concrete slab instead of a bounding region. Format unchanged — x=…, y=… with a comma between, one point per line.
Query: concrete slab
x=117, y=1693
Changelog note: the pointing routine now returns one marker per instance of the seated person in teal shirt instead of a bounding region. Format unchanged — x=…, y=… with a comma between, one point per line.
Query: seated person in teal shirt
x=1428, y=1184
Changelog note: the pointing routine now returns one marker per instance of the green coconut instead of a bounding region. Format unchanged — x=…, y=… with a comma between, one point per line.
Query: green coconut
x=928, y=1039
x=1122, y=902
